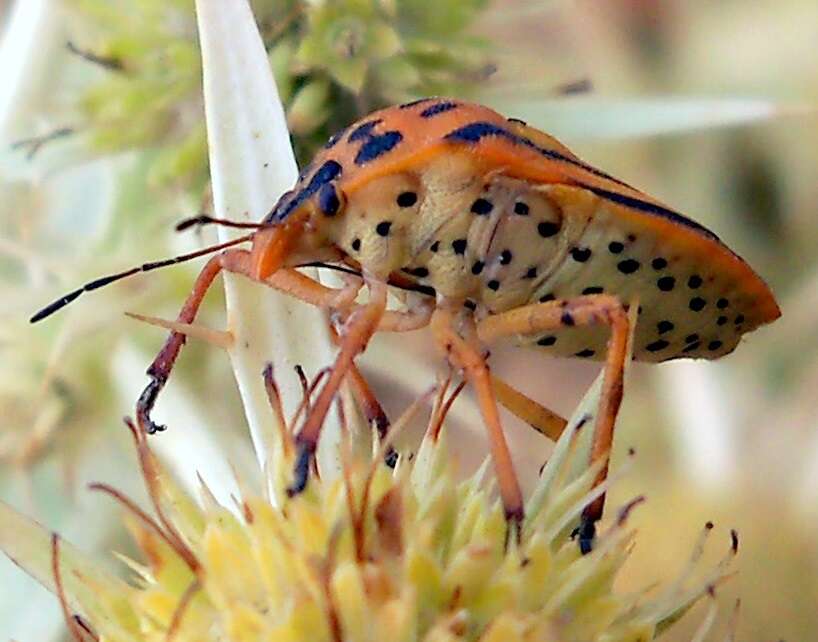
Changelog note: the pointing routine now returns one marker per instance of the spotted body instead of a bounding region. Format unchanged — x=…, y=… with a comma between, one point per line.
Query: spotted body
x=484, y=209
x=495, y=219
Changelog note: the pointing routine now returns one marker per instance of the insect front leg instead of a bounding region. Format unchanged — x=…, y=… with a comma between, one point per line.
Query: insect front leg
x=467, y=356
x=583, y=310
x=160, y=369
x=239, y=262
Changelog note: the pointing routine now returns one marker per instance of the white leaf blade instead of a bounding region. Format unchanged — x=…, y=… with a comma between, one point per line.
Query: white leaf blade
x=252, y=164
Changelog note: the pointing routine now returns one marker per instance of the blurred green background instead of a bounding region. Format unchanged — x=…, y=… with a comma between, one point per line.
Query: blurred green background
x=707, y=105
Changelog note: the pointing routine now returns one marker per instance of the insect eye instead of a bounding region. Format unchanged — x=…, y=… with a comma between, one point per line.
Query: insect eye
x=329, y=199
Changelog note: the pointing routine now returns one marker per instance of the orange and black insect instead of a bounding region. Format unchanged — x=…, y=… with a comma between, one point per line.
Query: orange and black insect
x=500, y=231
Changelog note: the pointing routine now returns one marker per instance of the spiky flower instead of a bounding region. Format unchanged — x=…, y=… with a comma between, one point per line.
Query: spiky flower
x=374, y=554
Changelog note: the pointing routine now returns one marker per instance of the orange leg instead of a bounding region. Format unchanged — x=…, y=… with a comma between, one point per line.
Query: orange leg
x=466, y=356
x=239, y=262
x=540, y=418
x=356, y=333
x=365, y=397
x=583, y=310
x=416, y=317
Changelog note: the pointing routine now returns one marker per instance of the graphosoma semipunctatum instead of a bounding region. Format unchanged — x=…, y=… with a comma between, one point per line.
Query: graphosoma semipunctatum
x=502, y=232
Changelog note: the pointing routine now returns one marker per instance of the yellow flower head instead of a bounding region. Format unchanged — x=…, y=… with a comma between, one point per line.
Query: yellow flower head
x=409, y=553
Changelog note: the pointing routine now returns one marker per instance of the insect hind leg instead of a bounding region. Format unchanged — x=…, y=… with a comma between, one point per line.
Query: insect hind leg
x=543, y=420
x=583, y=310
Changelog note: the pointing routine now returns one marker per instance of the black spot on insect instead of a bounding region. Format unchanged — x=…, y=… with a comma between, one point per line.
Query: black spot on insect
x=658, y=263
x=505, y=257
x=567, y=319
x=666, y=283
x=692, y=338
x=521, y=209
x=406, y=199
x=547, y=341
x=692, y=347
x=580, y=254
x=333, y=140
x=694, y=282
x=482, y=206
x=714, y=345
x=420, y=272
x=459, y=246
x=664, y=326
x=585, y=353
x=383, y=228
x=722, y=303
x=628, y=266
x=377, y=146
x=363, y=131
x=438, y=108
x=656, y=346
x=434, y=247
x=477, y=267
x=615, y=247
x=356, y=244
x=594, y=289
x=470, y=305
x=721, y=320
x=739, y=319
x=291, y=201
x=494, y=285
x=545, y=298
x=531, y=273
x=697, y=304
x=328, y=201
x=519, y=121
x=547, y=229
x=412, y=103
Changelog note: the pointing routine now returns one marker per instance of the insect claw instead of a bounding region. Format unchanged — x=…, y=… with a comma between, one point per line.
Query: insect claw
x=390, y=457
x=144, y=406
x=585, y=534
x=301, y=470
x=514, y=527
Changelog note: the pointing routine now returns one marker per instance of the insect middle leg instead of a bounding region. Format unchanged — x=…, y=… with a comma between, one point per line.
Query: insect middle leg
x=355, y=335
x=467, y=356
x=583, y=310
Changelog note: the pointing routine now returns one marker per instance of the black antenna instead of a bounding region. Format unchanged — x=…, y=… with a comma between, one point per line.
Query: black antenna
x=60, y=303
x=204, y=219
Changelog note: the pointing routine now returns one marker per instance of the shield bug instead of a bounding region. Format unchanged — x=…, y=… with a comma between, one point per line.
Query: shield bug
x=500, y=231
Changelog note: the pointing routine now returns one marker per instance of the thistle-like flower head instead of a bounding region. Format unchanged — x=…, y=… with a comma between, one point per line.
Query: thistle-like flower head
x=375, y=554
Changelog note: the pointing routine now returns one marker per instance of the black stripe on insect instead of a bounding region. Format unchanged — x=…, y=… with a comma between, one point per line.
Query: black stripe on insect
x=327, y=172
x=473, y=132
